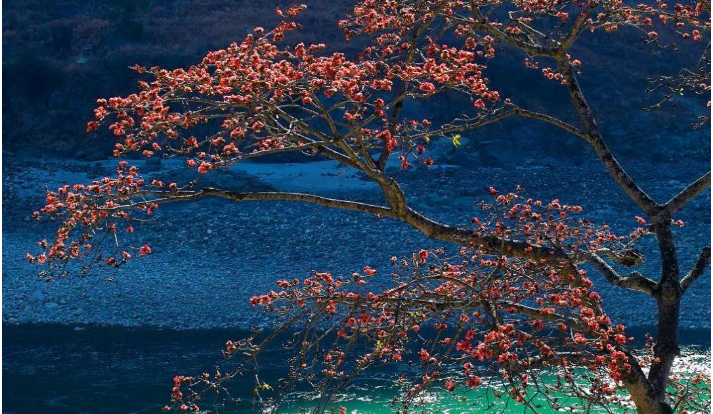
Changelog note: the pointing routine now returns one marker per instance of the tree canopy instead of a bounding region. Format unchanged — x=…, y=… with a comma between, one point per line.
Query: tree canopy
x=515, y=298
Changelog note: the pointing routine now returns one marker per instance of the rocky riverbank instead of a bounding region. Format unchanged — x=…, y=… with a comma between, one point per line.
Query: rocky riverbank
x=210, y=257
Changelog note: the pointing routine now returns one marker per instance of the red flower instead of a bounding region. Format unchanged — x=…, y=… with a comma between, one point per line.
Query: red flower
x=449, y=386
x=427, y=87
x=473, y=382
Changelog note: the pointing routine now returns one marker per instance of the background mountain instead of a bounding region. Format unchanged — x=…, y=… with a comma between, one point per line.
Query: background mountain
x=60, y=56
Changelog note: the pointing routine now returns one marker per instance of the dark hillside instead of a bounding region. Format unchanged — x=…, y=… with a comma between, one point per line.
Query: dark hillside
x=60, y=56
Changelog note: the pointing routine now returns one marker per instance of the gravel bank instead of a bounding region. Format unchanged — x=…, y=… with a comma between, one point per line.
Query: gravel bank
x=213, y=255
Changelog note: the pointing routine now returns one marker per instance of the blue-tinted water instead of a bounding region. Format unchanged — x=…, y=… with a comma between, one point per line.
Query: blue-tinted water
x=63, y=370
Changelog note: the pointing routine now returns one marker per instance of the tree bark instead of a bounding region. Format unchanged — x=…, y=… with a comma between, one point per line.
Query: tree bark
x=668, y=294
x=644, y=395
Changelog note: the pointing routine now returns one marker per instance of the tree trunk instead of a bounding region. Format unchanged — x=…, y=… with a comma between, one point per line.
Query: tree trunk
x=651, y=406
x=642, y=392
x=668, y=301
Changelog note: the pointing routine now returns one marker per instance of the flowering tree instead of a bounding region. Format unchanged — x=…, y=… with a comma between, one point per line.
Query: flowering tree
x=514, y=300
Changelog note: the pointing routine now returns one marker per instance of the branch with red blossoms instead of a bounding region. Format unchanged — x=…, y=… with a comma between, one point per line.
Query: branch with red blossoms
x=260, y=95
x=264, y=96
x=92, y=218
x=464, y=322
x=496, y=320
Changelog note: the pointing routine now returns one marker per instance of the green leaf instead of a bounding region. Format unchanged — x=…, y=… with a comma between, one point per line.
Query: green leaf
x=456, y=140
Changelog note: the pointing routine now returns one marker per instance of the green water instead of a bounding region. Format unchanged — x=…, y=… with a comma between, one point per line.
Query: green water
x=53, y=369
x=377, y=395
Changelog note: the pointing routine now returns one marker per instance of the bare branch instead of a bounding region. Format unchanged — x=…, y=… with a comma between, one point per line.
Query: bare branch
x=553, y=121
x=704, y=259
x=178, y=196
x=596, y=141
x=635, y=280
x=682, y=198
x=402, y=212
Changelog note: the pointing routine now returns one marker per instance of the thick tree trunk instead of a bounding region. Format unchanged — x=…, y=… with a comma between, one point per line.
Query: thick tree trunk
x=651, y=406
x=666, y=349
x=668, y=294
x=649, y=394
x=645, y=397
